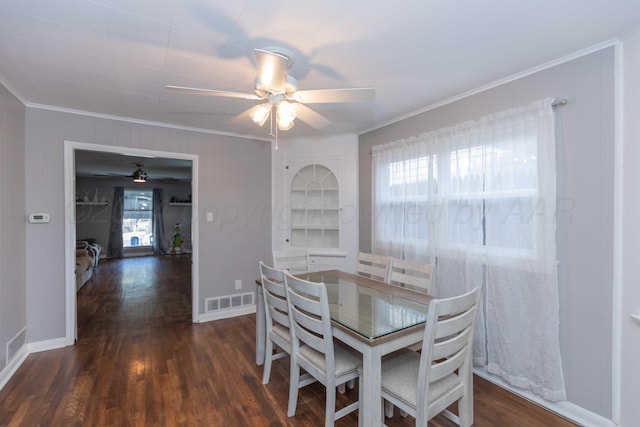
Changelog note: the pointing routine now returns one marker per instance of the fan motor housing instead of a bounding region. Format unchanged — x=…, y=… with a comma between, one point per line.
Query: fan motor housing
x=262, y=90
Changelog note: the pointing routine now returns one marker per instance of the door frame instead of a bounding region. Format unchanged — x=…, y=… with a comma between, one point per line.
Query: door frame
x=70, y=224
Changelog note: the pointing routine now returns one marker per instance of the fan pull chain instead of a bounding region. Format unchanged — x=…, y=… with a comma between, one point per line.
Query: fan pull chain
x=271, y=129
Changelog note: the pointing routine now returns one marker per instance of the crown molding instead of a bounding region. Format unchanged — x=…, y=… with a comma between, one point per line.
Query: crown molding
x=500, y=82
x=141, y=122
x=12, y=90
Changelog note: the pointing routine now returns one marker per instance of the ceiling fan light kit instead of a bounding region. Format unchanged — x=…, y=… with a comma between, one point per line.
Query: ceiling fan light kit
x=286, y=114
x=279, y=89
x=260, y=114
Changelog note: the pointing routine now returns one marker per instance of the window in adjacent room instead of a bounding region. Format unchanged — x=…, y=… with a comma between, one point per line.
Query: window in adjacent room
x=137, y=218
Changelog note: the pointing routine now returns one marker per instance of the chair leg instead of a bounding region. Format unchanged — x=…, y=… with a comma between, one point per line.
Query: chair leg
x=294, y=378
x=361, y=395
x=330, y=409
x=388, y=409
x=268, y=356
x=465, y=403
x=465, y=410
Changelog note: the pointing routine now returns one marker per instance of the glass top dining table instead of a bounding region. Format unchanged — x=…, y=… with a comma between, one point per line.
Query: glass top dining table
x=368, y=308
x=371, y=317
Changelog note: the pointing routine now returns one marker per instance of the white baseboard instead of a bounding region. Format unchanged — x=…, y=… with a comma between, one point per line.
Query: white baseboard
x=565, y=409
x=38, y=346
x=23, y=352
x=225, y=314
x=13, y=365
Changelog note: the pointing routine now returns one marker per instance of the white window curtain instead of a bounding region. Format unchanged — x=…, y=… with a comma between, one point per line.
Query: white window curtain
x=479, y=200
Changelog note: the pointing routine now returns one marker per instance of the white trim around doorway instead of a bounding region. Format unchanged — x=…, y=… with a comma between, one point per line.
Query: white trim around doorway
x=70, y=224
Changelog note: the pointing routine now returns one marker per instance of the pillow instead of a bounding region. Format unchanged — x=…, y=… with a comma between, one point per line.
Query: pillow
x=81, y=252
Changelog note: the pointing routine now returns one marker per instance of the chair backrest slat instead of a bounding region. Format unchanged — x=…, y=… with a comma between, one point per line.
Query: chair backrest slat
x=450, y=346
x=305, y=330
x=275, y=297
x=454, y=324
x=413, y=275
x=373, y=266
x=447, y=366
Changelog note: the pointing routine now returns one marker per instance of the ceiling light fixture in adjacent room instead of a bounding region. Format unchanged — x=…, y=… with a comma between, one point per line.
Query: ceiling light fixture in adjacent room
x=139, y=175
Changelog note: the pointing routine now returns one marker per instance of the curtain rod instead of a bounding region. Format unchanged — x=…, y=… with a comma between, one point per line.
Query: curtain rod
x=559, y=103
x=555, y=104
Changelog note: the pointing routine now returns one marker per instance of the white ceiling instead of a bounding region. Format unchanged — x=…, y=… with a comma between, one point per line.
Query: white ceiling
x=114, y=57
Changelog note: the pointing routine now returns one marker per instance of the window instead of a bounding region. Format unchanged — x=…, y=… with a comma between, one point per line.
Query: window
x=490, y=193
x=137, y=218
x=476, y=195
x=478, y=199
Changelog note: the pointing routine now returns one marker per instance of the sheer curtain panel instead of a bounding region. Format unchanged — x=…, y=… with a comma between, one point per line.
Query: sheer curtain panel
x=479, y=198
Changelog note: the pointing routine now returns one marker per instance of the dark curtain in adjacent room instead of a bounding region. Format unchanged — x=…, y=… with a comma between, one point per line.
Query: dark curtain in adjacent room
x=158, y=223
x=114, y=249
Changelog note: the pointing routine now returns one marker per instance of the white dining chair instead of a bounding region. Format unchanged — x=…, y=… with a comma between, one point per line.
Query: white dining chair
x=294, y=260
x=276, y=316
x=313, y=347
x=373, y=266
x=425, y=384
x=416, y=276
x=276, y=311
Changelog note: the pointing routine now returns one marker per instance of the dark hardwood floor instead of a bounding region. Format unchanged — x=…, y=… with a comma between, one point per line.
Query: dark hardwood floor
x=139, y=361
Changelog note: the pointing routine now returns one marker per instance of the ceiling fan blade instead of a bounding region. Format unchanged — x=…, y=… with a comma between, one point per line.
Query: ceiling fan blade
x=245, y=114
x=272, y=69
x=310, y=117
x=319, y=96
x=212, y=92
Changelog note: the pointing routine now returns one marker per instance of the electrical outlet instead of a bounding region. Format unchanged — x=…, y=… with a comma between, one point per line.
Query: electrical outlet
x=238, y=284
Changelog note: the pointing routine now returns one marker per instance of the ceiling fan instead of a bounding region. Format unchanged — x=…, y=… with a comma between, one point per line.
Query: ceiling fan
x=280, y=95
x=139, y=175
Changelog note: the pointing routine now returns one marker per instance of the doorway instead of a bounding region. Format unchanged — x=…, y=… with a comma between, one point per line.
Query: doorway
x=70, y=149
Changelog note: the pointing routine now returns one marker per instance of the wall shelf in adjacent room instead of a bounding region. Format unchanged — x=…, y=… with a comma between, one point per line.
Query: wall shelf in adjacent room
x=92, y=203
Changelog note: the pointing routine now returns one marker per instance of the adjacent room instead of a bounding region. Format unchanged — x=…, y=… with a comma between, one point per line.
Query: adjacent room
x=293, y=213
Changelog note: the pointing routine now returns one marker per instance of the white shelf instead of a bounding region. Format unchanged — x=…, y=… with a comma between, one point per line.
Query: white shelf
x=92, y=203
x=316, y=227
x=315, y=208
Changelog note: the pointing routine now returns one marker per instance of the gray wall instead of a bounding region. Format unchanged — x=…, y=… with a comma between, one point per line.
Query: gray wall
x=94, y=221
x=234, y=182
x=585, y=154
x=12, y=222
x=630, y=274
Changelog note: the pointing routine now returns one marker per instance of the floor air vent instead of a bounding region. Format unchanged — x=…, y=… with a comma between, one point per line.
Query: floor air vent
x=228, y=302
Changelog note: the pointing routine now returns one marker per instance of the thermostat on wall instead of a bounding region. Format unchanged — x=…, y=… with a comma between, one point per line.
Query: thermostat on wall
x=38, y=218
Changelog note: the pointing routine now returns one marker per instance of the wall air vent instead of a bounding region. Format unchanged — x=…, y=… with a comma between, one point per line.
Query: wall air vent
x=16, y=343
x=228, y=302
